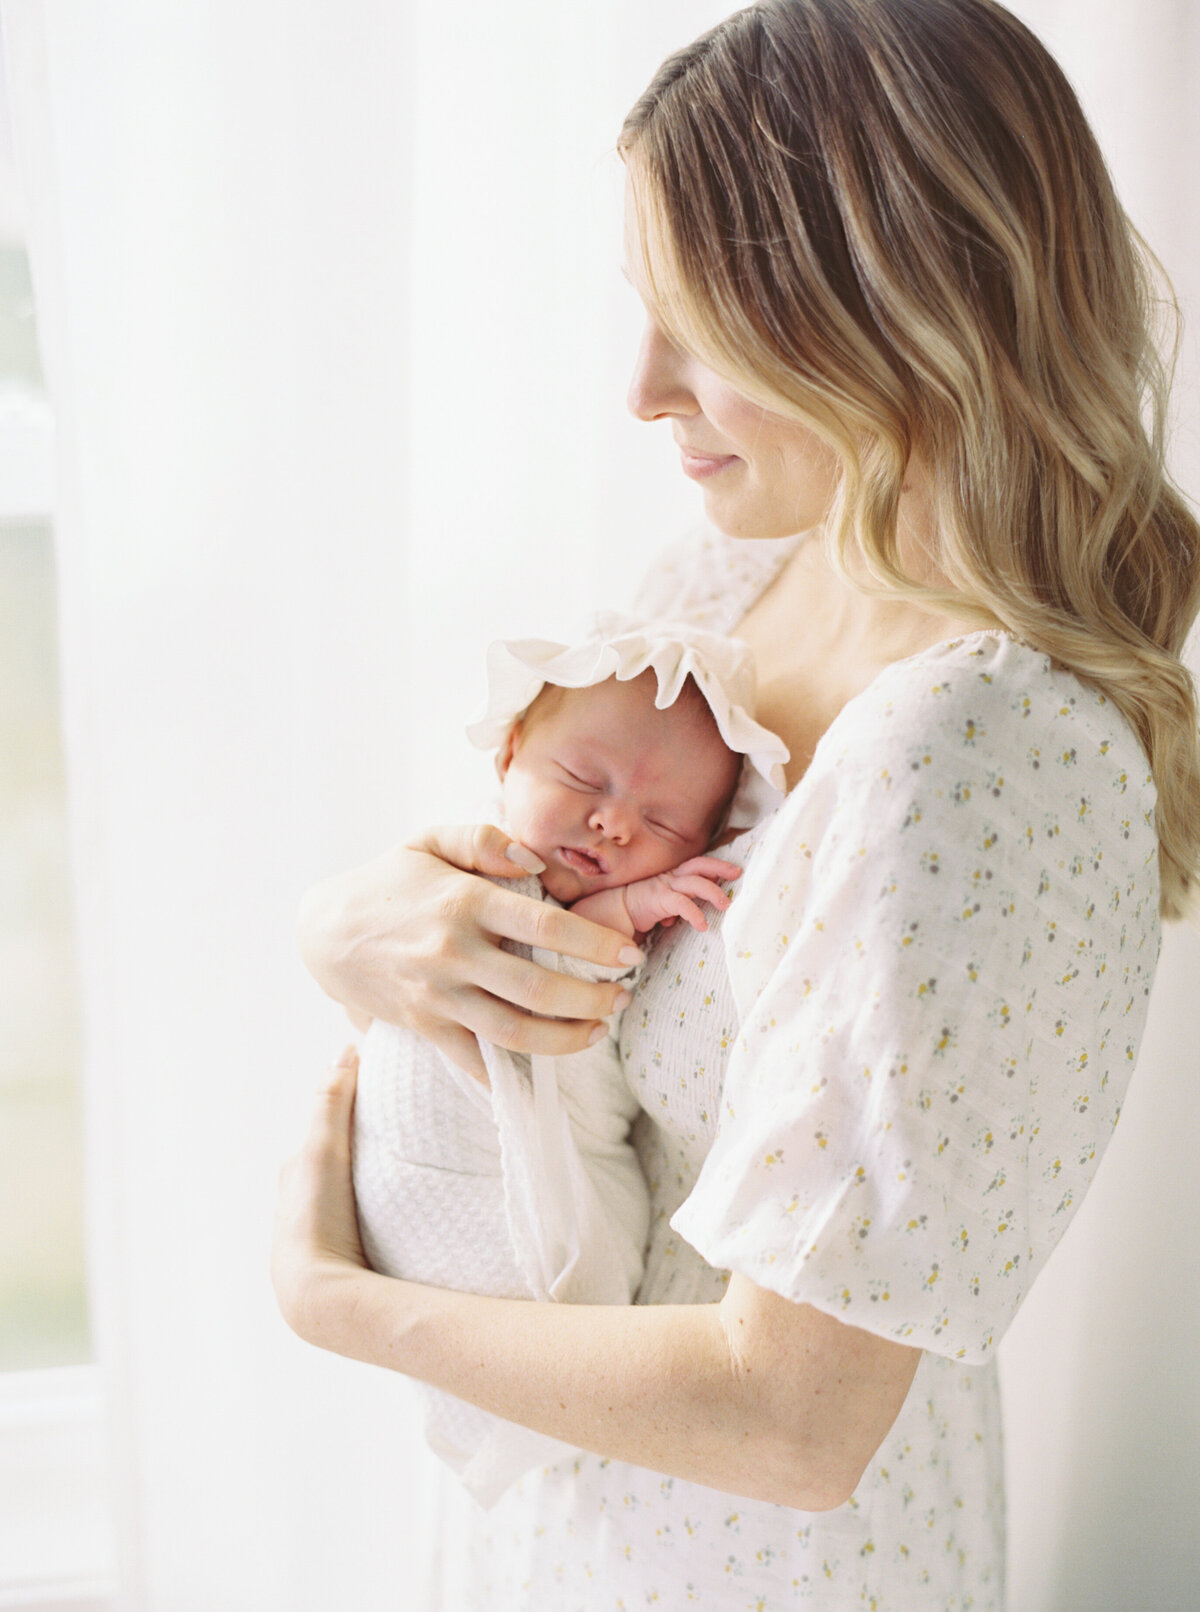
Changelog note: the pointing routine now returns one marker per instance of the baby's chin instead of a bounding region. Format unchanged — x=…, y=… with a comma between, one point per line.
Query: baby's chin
x=563, y=886
x=567, y=886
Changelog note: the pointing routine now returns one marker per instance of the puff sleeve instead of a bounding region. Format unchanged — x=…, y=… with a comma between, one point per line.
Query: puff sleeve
x=941, y=954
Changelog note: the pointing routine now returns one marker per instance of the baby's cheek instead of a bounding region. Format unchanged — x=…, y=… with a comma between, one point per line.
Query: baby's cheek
x=520, y=810
x=538, y=828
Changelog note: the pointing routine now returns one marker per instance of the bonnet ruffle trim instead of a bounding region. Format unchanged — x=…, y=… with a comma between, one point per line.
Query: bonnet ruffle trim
x=624, y=647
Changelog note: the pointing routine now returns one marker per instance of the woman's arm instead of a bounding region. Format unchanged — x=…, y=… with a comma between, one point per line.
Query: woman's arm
x=754, y=1396
x=413, y=938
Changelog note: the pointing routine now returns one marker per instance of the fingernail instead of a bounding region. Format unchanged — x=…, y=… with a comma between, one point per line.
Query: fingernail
x=621, y=1001
x=629, y=955
x=529, y=860
x=348, y=1057
x=597, y=1034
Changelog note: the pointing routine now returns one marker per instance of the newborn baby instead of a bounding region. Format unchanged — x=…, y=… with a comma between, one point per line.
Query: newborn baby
x=618, y=762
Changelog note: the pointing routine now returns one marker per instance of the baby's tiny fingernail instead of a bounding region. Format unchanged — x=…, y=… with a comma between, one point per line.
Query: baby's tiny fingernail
x=621, y=1001
x=348, y=1057
x=629, y=955
x=597, y=1034
x=529, y=860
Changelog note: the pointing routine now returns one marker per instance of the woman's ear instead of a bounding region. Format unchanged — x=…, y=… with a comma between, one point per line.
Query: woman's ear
x=508, y=750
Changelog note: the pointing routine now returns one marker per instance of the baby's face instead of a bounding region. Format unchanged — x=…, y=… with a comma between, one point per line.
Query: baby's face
x=607, y=789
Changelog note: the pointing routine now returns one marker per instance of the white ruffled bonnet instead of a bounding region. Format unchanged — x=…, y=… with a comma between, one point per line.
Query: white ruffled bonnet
x=624, y=647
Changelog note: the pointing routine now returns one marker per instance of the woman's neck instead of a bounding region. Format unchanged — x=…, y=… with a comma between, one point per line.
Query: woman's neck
x=818, y=642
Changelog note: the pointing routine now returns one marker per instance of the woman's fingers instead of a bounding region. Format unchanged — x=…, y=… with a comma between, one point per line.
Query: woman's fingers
x=546, y=993
x=536, y=923
x=504, y=1025
x=333, y=1114
x=461, y=1047
x=334, y=1110
x=316, y=1223
x=337, y=1084
x=414, y=941
x=479, y=848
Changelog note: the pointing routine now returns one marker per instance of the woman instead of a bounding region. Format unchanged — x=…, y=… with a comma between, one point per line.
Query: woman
x=893, y=307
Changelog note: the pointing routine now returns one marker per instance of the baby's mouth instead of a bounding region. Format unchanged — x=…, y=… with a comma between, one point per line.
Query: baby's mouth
x=592, y=867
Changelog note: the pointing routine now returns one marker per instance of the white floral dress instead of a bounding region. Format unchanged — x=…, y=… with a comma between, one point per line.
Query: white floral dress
x=881, y=1086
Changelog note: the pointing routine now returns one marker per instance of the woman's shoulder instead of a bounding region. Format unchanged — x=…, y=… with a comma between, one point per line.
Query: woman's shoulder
x=983, y=750
x=990, y=697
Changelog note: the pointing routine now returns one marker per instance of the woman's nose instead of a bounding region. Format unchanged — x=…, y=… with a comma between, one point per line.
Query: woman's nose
x=612, y=819
x=658, y=387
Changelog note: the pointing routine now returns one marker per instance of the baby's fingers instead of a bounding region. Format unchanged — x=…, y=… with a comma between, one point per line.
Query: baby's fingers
x=702, y=889
x=709, y=867
x=679, y=904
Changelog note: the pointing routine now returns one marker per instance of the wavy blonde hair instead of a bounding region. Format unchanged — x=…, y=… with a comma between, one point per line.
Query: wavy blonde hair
x=889, y=221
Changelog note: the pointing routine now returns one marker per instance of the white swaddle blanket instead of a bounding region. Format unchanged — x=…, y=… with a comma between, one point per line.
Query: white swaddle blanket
x=530, y=1190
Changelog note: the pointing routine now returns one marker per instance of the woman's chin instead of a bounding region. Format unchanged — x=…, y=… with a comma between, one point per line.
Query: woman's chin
x=742, y=519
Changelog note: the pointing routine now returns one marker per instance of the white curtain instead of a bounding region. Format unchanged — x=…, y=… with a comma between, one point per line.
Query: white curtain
x=338, y=345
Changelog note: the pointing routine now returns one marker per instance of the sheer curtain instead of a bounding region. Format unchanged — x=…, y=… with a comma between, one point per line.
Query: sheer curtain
x=338, y=348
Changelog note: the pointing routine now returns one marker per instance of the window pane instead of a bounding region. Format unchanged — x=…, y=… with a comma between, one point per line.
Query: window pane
x=43, y=1319
x=20, y=362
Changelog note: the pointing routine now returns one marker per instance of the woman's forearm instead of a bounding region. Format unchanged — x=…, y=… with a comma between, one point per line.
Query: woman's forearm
x=676, y=1388
x=755, y=1396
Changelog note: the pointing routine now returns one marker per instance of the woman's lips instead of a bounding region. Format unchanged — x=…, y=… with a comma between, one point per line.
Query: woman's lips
x=592, y=867
x=700, y=465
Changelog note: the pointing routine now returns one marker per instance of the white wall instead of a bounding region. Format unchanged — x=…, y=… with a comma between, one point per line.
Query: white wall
x=1100, y=1370
x=339, y=348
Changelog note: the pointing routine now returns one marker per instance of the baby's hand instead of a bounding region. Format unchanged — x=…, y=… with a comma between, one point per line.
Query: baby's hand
x=671, y=895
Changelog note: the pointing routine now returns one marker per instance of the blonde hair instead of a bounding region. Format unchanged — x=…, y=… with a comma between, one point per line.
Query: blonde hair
x=889, y=220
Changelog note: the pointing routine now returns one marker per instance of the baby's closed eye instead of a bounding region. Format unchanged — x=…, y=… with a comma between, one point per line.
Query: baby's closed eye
x=576, y=781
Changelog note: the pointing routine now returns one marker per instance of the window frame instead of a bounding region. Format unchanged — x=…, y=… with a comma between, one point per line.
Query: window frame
x=54, y=1447
x=54, y=1434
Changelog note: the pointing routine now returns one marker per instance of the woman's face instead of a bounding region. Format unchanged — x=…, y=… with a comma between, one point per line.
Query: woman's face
x=761, y=475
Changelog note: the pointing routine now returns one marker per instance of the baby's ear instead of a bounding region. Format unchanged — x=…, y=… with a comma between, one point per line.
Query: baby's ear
x=507, y=750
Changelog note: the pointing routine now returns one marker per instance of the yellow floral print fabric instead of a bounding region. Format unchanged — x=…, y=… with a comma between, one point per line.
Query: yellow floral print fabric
x=879, y=1084
x=941, y=955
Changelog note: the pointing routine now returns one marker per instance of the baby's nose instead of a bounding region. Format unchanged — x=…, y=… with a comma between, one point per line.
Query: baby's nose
x=613, y=819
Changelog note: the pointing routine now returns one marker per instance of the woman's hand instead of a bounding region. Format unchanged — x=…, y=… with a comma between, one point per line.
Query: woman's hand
x=413, y=938
x=317, y=1252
